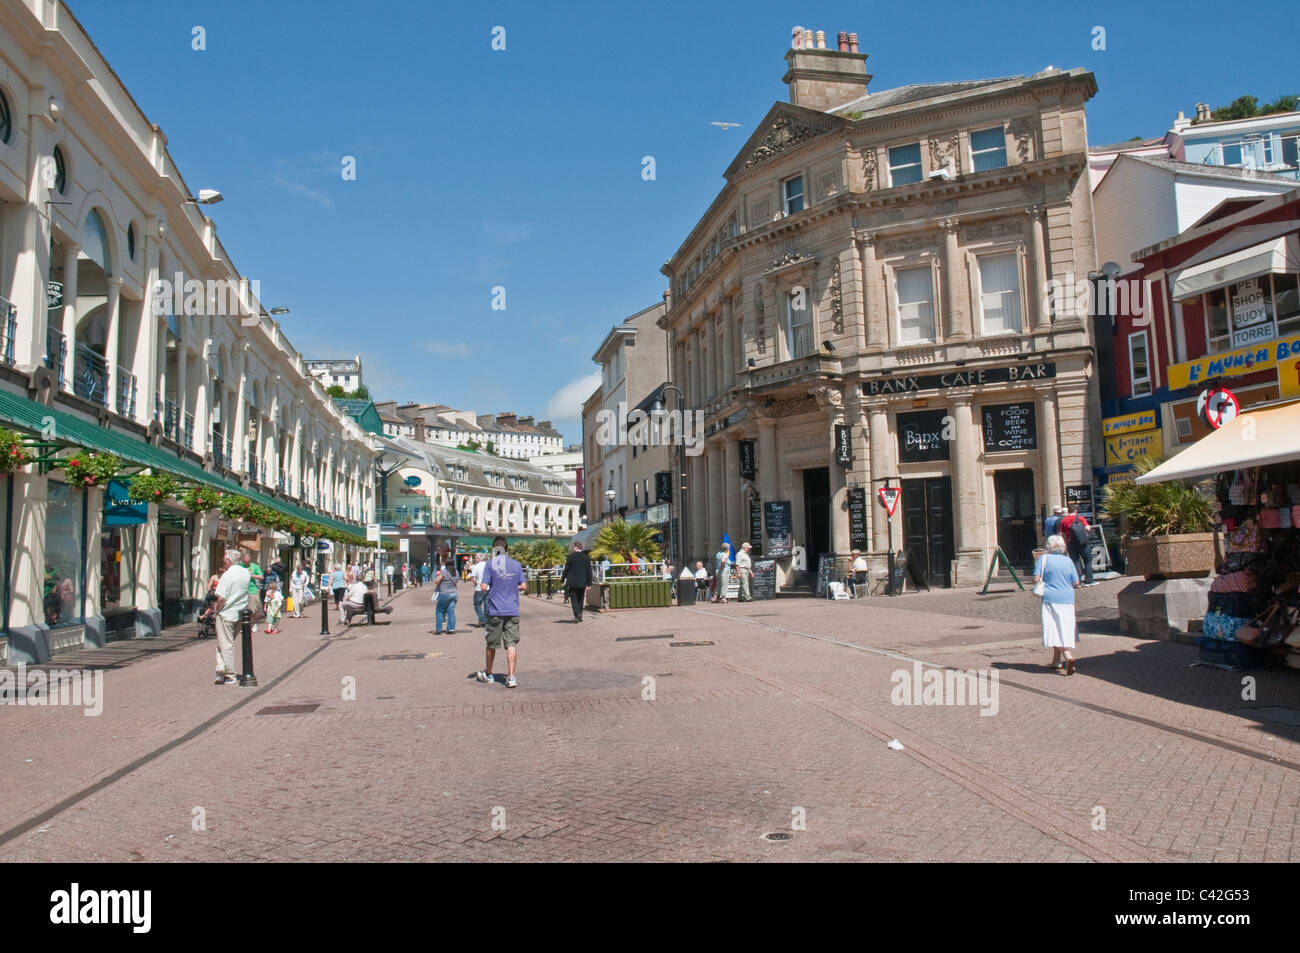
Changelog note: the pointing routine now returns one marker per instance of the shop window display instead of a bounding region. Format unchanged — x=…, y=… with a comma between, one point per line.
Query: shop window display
x=63, y=555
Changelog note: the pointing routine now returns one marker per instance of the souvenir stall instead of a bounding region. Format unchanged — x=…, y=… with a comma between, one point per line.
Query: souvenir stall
x=1253, y=615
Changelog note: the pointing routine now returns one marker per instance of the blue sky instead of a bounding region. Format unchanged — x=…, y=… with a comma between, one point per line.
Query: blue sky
x=522, y=168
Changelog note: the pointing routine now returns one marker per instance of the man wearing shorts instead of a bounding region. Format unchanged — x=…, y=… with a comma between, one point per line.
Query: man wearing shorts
x=503, y=580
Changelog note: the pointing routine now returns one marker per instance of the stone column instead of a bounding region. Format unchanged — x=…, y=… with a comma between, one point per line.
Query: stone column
x=957, y=326
x=767, y=481
x=968, y=512
x=696, y=398
x=27, y=572
x=728, y=345
x=182, y=391
x=1049, y=450
x=881, y=466
x=717, y=515
x=149, y=344
x=26, y=264
x=94, y=568
x=69, y=313
x=113, y=321
x=1039, y=313
x=735, y=523
x=239, y=436
x=697, y=488
x=160, y=336
x=145, y=592
x=875, y=322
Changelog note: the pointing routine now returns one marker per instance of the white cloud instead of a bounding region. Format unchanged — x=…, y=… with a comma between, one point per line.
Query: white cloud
x=566, y=403
x=447, y=348
x=297, y=188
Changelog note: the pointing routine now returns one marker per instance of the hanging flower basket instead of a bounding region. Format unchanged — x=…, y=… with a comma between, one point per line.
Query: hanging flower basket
x=12, y=452
x=200, y=499
x=152, y=487
x=234, y=507
x=88, y=468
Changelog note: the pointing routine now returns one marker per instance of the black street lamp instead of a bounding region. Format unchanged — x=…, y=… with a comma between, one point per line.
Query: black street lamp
x=679, y=557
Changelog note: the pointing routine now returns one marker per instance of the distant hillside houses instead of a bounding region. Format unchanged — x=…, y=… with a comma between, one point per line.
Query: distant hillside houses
x=511, y=436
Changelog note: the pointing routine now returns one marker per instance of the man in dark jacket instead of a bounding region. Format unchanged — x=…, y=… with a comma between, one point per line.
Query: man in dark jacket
x=576, y=579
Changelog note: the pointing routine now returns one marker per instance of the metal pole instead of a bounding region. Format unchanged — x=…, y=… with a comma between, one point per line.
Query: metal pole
x=324, y=612
x=248, y=679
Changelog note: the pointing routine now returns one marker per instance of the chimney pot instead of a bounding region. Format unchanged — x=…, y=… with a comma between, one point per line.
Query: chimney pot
x=842, y=41
x=796, y=38
x=807, y=39
x=853, y=42
x=821, y=39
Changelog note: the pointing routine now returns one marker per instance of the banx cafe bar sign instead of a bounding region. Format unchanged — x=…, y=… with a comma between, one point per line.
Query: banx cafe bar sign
x=959, y=378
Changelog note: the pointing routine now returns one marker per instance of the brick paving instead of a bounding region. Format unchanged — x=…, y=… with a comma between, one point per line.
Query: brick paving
x=783, y=719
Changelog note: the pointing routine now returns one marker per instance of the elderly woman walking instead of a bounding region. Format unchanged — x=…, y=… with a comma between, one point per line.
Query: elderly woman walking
x=1059, y=577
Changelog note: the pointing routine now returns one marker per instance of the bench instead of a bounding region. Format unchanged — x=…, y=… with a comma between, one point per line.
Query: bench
x=369, y=610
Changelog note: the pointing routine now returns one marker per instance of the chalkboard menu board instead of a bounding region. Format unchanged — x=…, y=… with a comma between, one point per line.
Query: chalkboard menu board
x=858, y=518
x=756, y=526
x=1081, y=496
x=825, y=566
x=921, y=437
x=1009, y=427
x=747, y=460
x=778, y=518
x=763, y=585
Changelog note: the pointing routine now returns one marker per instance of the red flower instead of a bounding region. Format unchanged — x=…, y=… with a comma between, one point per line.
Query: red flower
x=74, y=463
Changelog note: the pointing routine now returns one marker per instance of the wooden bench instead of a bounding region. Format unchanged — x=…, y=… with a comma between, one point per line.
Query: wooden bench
x=369, y=610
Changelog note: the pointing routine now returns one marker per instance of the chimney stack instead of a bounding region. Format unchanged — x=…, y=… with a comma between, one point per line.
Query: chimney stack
x=825, y=79
x=419, y=430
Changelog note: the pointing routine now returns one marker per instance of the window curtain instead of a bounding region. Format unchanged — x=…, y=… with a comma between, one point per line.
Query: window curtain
x=915, y=305
x=1000, y=293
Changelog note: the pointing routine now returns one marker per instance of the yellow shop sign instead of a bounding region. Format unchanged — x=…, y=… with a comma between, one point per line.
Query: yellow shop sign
x=1130, y=447
x=1145, y=420
x=1244, y=360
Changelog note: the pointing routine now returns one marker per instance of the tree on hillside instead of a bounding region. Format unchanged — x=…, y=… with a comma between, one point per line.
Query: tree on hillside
x=336, y=390
x=361, y=393
x=1247, y=107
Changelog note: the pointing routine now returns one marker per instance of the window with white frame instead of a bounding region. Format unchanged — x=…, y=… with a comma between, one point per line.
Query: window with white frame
x=999, y=278
x=798, y=319
x=914, y=289
x=905, y=164
x=1139, y=369
x=792, y=195
x=988, y=149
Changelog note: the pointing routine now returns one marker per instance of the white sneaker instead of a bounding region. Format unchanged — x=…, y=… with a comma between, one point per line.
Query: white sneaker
x=485, y=677
x=510, y=681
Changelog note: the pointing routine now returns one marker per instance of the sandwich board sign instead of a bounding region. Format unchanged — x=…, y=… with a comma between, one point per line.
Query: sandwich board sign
x=889, y=498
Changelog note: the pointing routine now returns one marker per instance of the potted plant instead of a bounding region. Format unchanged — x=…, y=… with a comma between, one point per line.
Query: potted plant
x=1166, y=526
x=12, y=452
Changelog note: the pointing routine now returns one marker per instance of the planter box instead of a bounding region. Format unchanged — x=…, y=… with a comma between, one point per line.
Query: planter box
x=1186, y=556
x=639, y=593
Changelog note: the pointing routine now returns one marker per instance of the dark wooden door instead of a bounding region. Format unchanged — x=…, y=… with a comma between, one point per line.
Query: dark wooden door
x=927, y=528
x=1017, y=525
x=817, y=513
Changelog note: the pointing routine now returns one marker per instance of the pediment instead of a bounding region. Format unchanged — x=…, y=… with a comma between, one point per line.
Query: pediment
x=782, y=129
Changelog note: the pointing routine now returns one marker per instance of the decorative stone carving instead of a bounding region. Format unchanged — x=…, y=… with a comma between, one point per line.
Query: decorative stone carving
x=869, y=169
x=827, y=185
x=793, y=406
x=760, y=211
x=943, y=152
x=789, y=258
x=866, y=238
x=949, y=225
x=908, y=244
x=760, y=328
x=783, y=134
x=1023, y=131
x=945, y=207
x=837, y=299
x=827, y=395
x=995, y=230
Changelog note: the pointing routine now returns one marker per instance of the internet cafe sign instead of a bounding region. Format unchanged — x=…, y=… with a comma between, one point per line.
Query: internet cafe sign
x=1251, y=321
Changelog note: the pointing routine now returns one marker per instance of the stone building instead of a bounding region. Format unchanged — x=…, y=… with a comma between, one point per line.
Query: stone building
x=876, y=269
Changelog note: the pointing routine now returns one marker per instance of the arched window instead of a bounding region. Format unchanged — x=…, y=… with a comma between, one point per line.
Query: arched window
x=94, y=240
x=60, y=172
x=130, y=241
x=6, y=119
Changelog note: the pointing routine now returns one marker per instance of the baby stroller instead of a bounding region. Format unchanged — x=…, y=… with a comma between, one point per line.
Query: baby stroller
x=207, y=626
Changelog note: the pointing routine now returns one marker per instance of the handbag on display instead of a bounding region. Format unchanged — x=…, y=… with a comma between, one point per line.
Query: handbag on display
x=1272, y=518
x=1246, y=538
x=1243, y=580
x=1243, y=604
x=1221, y=626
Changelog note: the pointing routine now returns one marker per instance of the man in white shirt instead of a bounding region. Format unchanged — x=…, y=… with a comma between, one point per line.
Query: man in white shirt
x=354, y=598
x=745, y=571
x=232, y=600
x=859, y=569
x=480, y=597
x=701, y=579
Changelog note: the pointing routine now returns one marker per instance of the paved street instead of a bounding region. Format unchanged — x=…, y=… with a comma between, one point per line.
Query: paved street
x=781, y=722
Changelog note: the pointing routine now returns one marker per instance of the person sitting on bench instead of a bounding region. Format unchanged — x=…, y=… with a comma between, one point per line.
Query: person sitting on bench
x=354, y=597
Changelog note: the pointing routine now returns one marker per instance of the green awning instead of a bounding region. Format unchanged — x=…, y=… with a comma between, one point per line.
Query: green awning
x=72, y=430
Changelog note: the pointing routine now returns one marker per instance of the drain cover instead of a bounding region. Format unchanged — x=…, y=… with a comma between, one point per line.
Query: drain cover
x=638, y=638
x=289, y=709
x=410, y=656
x=972, y=626
x=777, y=835
x=676, y=645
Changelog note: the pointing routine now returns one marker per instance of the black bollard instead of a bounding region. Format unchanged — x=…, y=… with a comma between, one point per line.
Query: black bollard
x=324, y=615
x=248, y=679
x=370, y=600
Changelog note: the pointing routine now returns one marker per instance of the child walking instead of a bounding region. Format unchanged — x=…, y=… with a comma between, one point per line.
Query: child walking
x=274, y=606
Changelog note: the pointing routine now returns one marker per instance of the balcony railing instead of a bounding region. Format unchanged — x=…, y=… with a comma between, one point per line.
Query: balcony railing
x=90, y=378
x=189, y=431
x=252, y=466
x=8, y=330
x=171, y=421
x=56, y=352
x=217, y=446
x=1279, y=155
x=126, y=387
x=230, y=452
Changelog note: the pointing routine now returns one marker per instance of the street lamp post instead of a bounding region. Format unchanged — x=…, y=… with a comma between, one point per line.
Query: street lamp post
x=679, y=537
x=610, y=496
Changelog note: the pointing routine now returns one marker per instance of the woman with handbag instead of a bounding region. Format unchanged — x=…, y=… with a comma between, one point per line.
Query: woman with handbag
x=1055, y=579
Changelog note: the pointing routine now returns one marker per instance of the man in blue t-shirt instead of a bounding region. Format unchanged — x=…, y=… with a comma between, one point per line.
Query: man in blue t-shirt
x=503, y=580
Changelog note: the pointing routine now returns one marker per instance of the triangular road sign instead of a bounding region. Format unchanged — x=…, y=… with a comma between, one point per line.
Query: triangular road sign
x=889, y=498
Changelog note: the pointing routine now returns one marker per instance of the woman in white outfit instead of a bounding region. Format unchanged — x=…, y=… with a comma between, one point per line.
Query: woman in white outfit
x=297, y=588
x=1057, y=572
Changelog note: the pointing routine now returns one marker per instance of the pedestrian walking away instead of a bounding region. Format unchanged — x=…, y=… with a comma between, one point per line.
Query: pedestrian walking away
x=445, y=595
x=232, y=600
x=503, y=580
x=744, y=571
x=576, y=579
x=339, y=583
x=1059, y=578
x=1052, y=525
x=1078, y=542
x=480, y=597
x=722, y=573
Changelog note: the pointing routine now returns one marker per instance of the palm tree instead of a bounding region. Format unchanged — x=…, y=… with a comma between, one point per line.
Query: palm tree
x=617, y=540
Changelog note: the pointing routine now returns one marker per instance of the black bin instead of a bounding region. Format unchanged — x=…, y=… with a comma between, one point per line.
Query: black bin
x=686, y=592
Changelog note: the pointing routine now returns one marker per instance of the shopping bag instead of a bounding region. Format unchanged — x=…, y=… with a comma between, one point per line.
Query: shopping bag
x=288, y=604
